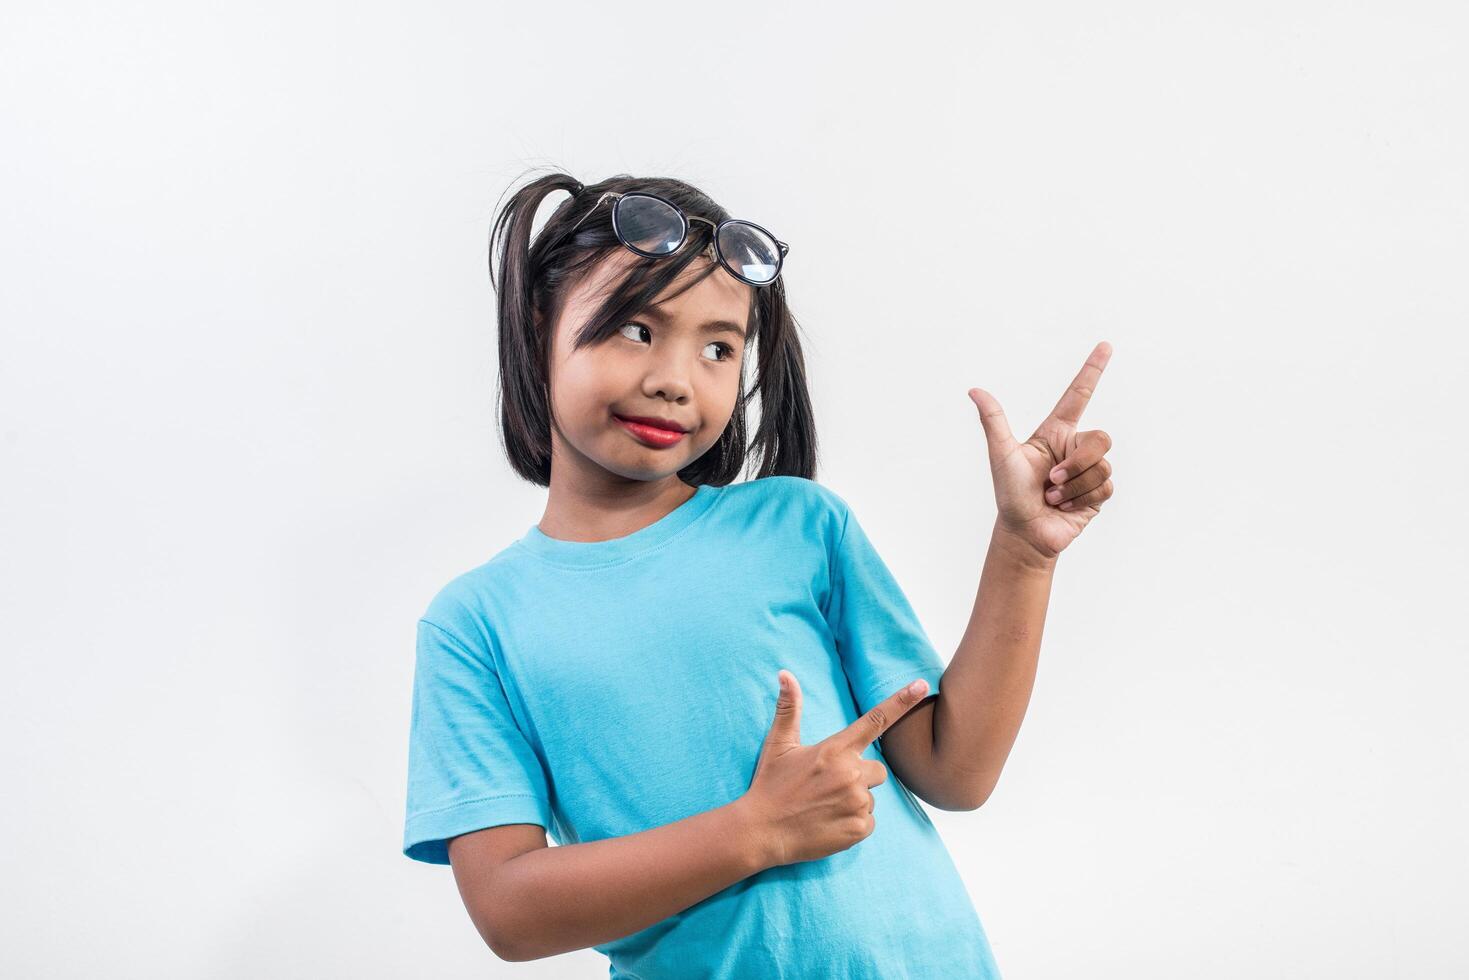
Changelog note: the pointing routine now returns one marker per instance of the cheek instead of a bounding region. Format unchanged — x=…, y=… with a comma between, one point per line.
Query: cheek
x=578, y=387
x=719, y=403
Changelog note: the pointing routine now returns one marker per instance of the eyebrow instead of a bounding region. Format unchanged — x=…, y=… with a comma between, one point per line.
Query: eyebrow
x=712, y=326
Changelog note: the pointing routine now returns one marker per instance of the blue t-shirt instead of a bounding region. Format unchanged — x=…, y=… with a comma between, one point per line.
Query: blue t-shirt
x=604, y=688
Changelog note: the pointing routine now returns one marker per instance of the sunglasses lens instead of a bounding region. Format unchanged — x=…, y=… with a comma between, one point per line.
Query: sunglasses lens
x=750, y=250
x=649, y=225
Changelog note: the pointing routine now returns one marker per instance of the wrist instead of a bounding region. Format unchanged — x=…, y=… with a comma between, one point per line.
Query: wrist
x=750, y=836
x=1020, y=551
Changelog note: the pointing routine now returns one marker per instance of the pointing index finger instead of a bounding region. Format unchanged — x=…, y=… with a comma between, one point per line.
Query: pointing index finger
x=867, y=729
x=1073, y=401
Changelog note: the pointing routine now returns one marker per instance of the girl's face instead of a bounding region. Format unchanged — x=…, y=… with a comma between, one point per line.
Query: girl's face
x=671, y=361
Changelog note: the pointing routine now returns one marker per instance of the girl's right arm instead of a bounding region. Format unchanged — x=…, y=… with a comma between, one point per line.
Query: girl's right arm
x=529, y=900
x=806, y=801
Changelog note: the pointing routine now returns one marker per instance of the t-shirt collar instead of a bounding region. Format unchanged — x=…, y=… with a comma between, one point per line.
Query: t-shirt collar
x=584, y=554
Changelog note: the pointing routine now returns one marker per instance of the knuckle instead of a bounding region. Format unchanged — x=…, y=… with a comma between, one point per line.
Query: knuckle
x=878, y=717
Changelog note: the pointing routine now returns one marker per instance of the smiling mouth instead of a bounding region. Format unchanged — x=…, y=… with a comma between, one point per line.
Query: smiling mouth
x=650, y=435
x=651, y=422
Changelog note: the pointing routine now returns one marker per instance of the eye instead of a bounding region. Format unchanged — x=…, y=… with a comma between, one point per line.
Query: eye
x=728, y=350
x=635, y=326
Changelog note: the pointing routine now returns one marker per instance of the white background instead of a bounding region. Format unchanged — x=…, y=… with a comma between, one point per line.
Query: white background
x=248, y=430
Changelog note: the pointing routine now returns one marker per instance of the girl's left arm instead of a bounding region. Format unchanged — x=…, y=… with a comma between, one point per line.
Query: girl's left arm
x=986, y=688
x=1047, y=490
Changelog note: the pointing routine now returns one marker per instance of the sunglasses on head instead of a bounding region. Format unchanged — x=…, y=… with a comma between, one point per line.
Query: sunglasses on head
x=653, y=227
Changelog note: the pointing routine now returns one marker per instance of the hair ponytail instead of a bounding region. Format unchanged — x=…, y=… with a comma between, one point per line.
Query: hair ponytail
x=523, y=398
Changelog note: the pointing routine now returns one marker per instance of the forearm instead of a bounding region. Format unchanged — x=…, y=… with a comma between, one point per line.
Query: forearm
x=986, y=688
x=556, y=899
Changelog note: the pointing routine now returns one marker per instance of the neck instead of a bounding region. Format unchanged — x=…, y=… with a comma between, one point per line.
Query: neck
x=589, y=503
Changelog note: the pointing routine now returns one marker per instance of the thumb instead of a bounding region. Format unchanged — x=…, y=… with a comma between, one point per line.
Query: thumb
x=996, y=426
x=785, y=731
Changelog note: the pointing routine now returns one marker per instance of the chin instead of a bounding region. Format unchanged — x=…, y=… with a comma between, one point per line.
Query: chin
x=639, y=470
x=649, y=471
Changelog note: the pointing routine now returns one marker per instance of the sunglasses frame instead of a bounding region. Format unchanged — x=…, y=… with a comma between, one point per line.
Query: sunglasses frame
x=618, y=196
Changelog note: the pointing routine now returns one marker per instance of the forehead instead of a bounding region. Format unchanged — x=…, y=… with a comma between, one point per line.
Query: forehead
x=717, y=295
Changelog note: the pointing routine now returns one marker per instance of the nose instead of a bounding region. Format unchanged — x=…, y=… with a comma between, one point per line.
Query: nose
x=667, y=376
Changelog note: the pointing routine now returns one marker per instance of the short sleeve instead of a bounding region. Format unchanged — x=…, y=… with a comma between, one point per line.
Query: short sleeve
x=881, y=643
x=469, y=765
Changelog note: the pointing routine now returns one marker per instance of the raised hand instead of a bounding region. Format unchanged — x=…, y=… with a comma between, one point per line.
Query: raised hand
x=1049, y=487
x=809, y=801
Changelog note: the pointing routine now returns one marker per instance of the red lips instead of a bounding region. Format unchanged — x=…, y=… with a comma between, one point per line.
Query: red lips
x=654, y=421
x=651, y=432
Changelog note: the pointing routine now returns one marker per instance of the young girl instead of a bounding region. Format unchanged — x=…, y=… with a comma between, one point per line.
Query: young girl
x=683, y=678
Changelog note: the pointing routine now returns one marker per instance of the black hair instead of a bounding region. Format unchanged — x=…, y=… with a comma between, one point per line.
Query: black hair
x=534, y=279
